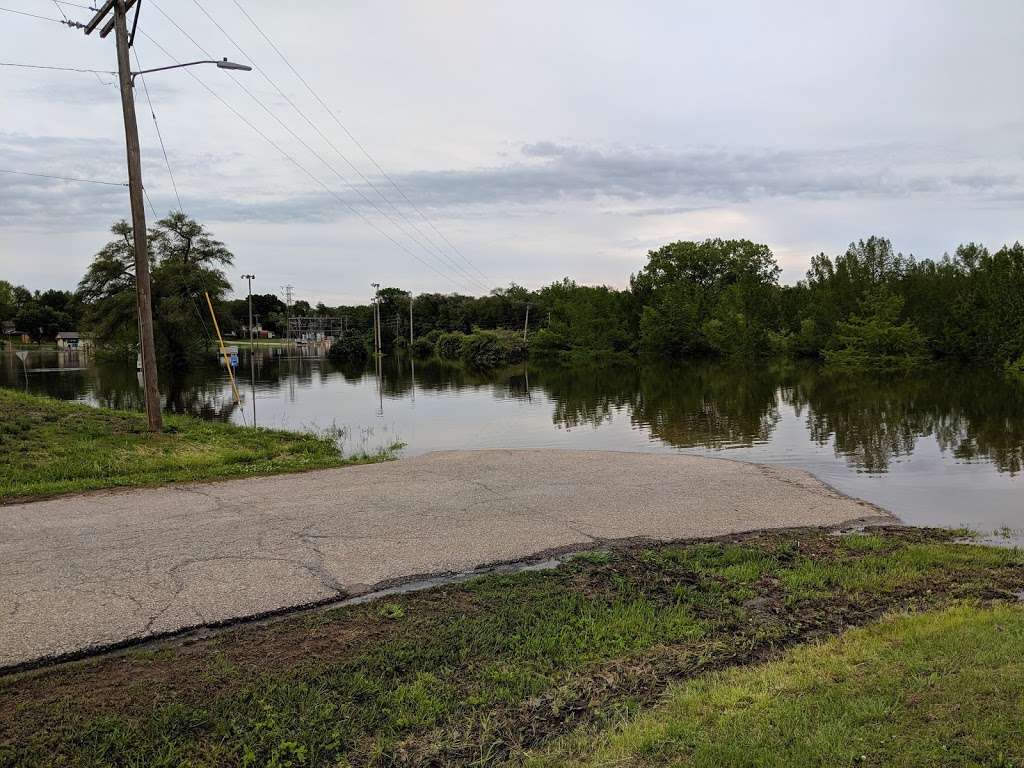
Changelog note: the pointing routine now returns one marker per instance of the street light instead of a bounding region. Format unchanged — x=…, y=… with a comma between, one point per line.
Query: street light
x=222, y=64
x=144, y=300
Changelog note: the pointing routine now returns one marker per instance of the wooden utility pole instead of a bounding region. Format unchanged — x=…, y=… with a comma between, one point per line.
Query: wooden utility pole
x=526, y=323
x=143, y=295
x=410, y=320
x=144, y=298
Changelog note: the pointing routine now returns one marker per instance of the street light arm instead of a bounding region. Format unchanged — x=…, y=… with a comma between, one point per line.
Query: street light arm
x=221, y=64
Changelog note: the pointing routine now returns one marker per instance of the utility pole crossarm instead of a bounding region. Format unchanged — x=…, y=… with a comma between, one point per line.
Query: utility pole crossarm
x=100, y=14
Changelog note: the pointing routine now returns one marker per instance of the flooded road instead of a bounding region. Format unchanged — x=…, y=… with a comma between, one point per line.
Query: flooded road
x=944, y=447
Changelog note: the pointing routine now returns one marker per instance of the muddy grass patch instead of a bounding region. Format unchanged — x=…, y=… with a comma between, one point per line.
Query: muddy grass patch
x=481, y=671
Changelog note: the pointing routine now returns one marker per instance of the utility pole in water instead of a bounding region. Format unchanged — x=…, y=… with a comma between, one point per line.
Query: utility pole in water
x=376, y=318
x=288, y=312
x=252, y=350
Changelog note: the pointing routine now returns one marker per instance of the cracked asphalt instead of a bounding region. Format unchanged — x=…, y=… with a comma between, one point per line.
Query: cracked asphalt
x=87, y=572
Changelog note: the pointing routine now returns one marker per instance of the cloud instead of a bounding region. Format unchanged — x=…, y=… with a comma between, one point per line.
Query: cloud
x=637, y=181
x=34, y=202
x=552, y=172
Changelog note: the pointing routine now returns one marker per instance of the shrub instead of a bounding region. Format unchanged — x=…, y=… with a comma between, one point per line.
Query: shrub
x=423, y=347
x=348, y=348
x=547, y=343
x=1016, y=367
x=488, y=349
x=449, y=345
x=781, y=342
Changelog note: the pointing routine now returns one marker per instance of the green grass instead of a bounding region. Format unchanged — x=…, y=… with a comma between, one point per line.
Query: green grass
x=944, y=688
x=49, y=447
x=503, y=667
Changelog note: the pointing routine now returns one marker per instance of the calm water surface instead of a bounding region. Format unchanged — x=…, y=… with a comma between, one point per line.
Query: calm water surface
x=945, y=447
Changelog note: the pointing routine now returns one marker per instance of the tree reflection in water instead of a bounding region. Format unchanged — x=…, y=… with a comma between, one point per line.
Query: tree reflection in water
x=972, y=415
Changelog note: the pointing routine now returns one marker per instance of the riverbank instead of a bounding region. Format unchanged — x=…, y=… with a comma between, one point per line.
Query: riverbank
x=939, y=688
x=50, y=447
x=537, y=664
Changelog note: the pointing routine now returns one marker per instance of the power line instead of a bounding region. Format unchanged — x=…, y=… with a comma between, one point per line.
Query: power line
x=299, y=139
x=152, y=207
x=65, y=178
x=355, y=141
x=44, y=18
x=426, y=244
x=31, y=15
x=293, y=161
x=159, y=135
x=59, y=69
x=451, y=263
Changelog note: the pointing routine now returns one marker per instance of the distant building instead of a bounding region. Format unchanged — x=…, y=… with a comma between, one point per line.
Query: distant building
x=15, y=336
x=70, y=340
x=258, y=331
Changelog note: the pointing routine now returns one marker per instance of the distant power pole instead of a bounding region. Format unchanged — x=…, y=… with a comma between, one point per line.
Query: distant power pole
x=288, y=312
x=376, y=317
x=143, y=297
x=410, y=320
x=526, y=323
x=252, y=350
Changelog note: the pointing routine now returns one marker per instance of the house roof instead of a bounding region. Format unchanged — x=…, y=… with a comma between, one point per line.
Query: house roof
x=69, y=335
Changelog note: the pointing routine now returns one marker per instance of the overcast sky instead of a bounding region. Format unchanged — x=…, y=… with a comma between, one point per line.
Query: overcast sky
x=542, y=139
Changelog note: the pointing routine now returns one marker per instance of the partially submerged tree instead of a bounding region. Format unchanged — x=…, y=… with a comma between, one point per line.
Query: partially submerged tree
x=874, y=339
x=711, y=297
x=186, y=262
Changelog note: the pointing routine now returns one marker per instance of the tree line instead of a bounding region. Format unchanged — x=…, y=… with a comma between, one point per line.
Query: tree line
x=868, y=307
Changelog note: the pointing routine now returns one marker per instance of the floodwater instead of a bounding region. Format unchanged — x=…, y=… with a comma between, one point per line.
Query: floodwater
x=945, y=447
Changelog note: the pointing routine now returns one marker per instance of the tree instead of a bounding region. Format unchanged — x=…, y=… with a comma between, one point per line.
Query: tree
x=41, y=322
x=583, y=320
x=8, y=308
x=187, y=262
x=714, y=296
x=108, y=291
x=875, y=339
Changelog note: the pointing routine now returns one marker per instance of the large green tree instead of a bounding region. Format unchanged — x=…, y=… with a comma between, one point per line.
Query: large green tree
x=186, y=262
x=709, y=297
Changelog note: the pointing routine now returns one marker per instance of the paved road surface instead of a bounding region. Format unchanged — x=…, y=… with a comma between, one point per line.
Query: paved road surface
x=84, y=572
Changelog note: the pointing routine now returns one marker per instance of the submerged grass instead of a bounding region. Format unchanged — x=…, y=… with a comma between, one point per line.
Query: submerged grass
x=497, y=669
x=49, y=447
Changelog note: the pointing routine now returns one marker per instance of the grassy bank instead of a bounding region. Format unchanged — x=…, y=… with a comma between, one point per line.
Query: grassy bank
x=942, y=688
x=49, y=447
x=505, y=669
